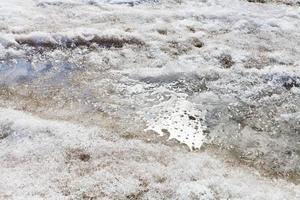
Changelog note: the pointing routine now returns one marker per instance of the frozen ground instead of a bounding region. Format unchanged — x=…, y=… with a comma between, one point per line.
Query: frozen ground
x=140, y=99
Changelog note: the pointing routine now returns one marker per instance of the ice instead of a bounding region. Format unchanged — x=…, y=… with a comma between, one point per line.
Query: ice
x=180, y=119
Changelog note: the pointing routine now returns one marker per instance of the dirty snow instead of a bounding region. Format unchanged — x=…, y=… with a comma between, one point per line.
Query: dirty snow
x=149, y=99
x=45, y=159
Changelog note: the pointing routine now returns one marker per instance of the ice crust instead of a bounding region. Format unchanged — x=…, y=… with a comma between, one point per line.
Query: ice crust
x=180, y=119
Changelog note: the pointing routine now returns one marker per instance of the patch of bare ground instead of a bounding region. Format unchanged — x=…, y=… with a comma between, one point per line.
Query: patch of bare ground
x=101, y=41
x=286, y=2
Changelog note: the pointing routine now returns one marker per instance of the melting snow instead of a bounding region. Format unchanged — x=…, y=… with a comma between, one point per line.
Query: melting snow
x=180, y=119
x=94, y=74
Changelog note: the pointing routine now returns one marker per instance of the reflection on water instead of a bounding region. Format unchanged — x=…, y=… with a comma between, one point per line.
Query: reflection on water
x=17, y=71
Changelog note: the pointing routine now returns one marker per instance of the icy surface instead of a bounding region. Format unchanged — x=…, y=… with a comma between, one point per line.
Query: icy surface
x=180, y=119
x=149, y=99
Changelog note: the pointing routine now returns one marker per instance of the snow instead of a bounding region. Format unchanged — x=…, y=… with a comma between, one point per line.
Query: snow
x=180, y=119
x=44, y=159
x=169, y=99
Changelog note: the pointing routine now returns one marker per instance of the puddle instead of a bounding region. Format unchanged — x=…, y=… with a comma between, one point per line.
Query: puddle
x=15, y=71
x=19, y=71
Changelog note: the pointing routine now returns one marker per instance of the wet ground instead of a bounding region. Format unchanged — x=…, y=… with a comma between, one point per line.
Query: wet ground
x=170, y=94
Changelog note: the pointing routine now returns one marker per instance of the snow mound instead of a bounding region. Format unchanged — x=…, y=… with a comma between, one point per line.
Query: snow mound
x=6, y=40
